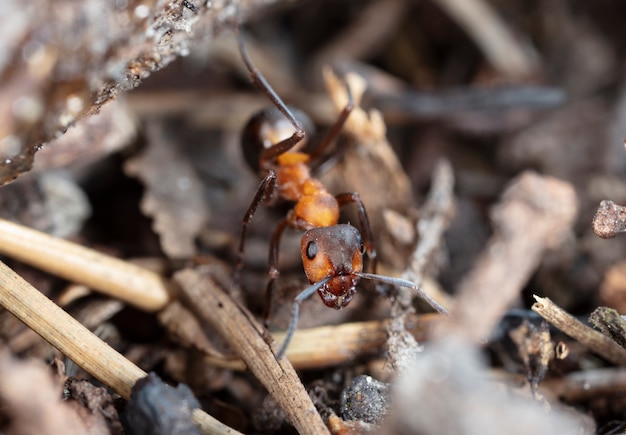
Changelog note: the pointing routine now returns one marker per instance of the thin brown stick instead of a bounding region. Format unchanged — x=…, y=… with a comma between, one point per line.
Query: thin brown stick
x=328, y=346
x=490, y=33
x=367, y=34
x=436, y=214
x=237, y=326
x=587, y=384
x=594, y=340
x=109, y=275
x=93, y=314
x=609, y=322
x=75, y=341
x=332, y=345
x=129, y=47
x=536, y=213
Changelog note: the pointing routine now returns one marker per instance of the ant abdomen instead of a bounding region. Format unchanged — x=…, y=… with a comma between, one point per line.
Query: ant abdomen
x=267, y=128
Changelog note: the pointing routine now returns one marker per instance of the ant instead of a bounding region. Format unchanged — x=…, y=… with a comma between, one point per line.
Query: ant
x=332, y=253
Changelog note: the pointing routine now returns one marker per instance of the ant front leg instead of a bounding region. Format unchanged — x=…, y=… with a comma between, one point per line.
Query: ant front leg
x=335, y=130
x=364, y=222
x=259, y=81
x=264, y=193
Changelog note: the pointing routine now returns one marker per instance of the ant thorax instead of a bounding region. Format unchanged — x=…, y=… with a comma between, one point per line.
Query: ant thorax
x=315, y=208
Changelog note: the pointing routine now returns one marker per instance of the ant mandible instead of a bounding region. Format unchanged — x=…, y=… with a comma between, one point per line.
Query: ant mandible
x=332, y=253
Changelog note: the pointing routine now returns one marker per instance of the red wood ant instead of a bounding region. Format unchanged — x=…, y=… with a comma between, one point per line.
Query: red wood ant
x=332, y=253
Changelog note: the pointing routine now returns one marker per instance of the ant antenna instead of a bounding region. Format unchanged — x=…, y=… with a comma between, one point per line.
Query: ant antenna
x=404, y=283
x=309, y=291
x=295, y=312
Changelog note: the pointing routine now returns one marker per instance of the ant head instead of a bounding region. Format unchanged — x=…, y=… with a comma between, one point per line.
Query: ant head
x=335, y=252
x=268, y=127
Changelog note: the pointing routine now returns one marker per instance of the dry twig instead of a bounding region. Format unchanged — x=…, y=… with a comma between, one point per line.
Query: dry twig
x=112, y=276
x=610, y=323
x=102, y=49
x=536, y=213
x=434, y=219
x=333, y=345
x=490, y=33
x=587, y=384
x=328, y=346
x=594, y=340
x=367, y=33
x=91, y=315
x=436, y=214
x=238, y=327
x=75, y=341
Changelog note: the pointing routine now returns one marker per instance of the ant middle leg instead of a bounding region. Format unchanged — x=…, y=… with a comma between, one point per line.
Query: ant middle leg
x=265, y=193
x=273, y=271
x=364, y=223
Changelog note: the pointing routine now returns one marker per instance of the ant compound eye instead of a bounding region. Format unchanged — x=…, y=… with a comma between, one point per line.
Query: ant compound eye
x=311, y=250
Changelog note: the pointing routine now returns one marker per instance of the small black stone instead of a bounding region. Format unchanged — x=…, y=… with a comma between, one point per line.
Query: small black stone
x=366, y=399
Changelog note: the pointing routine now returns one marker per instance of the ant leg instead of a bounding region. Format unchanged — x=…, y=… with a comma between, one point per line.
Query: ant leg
x=364, y=222
x=259, y=81
x=264, y=192
x=335, y=130
x=274, y=272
